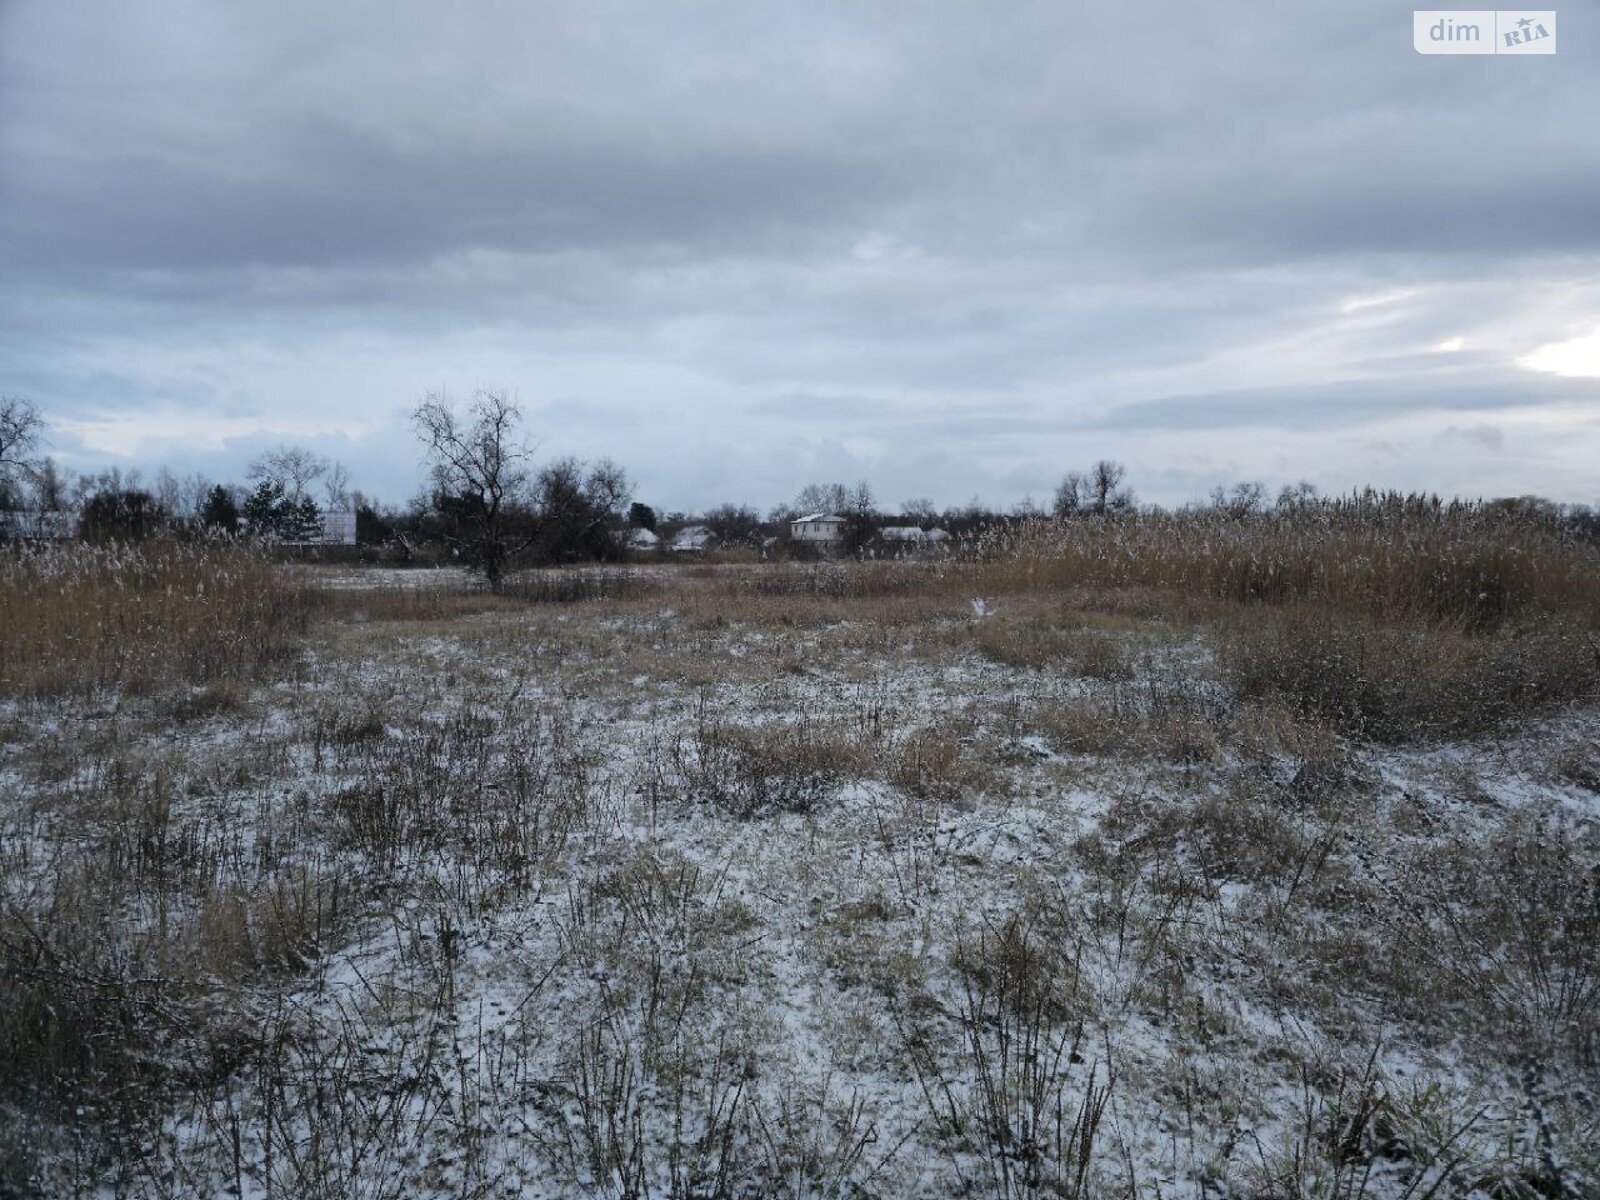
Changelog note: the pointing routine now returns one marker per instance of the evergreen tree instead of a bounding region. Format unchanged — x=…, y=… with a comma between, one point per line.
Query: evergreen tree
x=219, y=511
x=263, y=508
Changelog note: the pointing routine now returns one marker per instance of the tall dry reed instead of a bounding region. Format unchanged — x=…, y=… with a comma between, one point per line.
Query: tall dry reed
x=76, y=618
x=1385, y=556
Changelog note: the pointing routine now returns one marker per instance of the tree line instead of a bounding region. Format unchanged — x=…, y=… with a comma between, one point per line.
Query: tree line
x=489, y=505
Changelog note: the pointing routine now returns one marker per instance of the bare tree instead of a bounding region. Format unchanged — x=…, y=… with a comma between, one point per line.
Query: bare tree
x=1072, y=495
x=168, y=491
x=823, y=498
x=51, y=488
x=860, y=512
x=112, y=479
x=1296, y=496
x=1100, y=491
x=1106, y=493
x=608, y=487
x=196, y=492
x=734, y=523
x=336, y=486
x=479, y=460
x=970, y=513
x=1241, y=500
x=295, y=467
x=578, y=515
x=21, y=432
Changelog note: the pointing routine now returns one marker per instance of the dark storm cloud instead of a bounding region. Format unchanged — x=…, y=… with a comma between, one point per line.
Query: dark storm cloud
x=342, y=199
x=1000, y=233
x=1218, y=134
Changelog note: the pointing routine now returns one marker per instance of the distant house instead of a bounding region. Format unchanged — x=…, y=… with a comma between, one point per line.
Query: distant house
x=691, y=538
x=338, y=529
x=643, y=539
x=822, y=528
x=325, y=529
x=913, y=534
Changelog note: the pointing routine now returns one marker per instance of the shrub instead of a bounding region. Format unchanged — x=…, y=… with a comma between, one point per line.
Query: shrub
x=1402, y=681
x=753, y=772
x=1512, y=924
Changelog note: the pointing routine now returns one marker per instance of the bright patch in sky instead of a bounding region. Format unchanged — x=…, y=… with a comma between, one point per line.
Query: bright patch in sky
x=1355, y=304
x=1578, y=357
x=131, y=434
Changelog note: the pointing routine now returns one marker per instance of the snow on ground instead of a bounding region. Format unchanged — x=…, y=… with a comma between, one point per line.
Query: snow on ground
x=622, y=901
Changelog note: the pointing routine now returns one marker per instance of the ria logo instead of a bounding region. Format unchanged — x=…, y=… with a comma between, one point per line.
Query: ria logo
x=1484, y=31
x=1528, y=31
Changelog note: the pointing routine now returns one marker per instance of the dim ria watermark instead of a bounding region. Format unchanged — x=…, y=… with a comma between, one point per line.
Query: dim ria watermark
x=1483, y=31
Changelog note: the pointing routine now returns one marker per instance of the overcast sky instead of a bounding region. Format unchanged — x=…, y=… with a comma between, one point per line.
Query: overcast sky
x=948, y=247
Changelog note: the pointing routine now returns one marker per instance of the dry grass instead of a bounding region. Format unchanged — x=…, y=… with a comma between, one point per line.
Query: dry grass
x=1163, y=718
x=943, y=762
x=1511, y=927
x=498, y=894
x=104, y=1016
x=1386, y=617
x=1025, y=642
x=1018, y=1115
x=76, y=618
x=1385, y=556
x=1396, y=682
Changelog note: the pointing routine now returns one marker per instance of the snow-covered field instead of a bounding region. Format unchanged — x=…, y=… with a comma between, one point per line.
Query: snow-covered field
x=794, y=896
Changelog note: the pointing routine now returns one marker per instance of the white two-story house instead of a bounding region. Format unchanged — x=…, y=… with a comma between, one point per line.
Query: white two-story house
x=823, y=528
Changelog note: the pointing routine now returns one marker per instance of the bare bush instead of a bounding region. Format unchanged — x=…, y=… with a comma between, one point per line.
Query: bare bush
x=1015, y=1118
x=752, y=772
x=1513, y=923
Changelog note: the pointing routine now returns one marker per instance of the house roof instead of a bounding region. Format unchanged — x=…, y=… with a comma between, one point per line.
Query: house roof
x=692, y=537
x=818, y=519
x=912, y=533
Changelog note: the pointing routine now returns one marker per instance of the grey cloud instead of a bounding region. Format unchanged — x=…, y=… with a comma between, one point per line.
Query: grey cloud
x=1345, y=403
x=1011, y=237
x=1032, y=139
x=1387, y=449
x=351, y=202
x=800, y=406
x=1483, y=437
